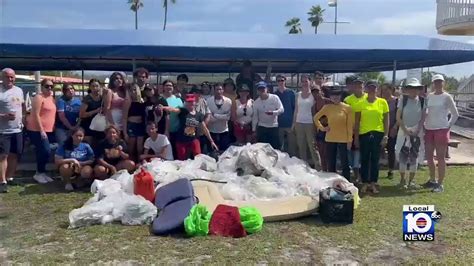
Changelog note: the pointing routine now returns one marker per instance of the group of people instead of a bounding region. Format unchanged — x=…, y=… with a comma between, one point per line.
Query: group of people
x=126, y=123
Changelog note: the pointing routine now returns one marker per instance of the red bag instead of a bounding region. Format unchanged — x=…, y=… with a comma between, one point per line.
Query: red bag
x=225, y=221
x=144, y=185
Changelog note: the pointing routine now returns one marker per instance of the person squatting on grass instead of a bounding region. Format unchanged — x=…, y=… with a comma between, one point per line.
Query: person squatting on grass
x=156, y=145
x=112, y=155
x=75, y=159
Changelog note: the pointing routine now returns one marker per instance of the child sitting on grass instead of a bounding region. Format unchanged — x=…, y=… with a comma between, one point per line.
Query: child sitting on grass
x=158, y=144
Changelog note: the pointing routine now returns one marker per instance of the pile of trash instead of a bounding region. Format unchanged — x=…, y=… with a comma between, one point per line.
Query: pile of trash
x=251, y=172
x=114, y=201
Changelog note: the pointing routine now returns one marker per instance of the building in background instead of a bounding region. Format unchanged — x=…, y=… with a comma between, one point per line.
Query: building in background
x=455, y=17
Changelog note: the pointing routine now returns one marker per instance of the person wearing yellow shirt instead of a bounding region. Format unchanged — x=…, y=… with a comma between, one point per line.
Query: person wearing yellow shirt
x=371, y=132
x=338, y=132
x=355, y=85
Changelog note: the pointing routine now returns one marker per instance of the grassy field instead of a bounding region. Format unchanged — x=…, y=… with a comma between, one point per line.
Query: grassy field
x=34, y=220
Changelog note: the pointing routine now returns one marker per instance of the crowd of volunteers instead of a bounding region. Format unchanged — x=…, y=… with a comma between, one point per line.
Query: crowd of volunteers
x=122, y=124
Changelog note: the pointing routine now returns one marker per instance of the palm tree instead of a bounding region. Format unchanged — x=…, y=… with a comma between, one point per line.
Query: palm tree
x=378, y=76
x=165, y=6
x=295, y=26
x=135, y=5
x=316, y=17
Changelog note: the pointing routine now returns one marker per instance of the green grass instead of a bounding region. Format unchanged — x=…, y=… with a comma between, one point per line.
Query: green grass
x=34, y=219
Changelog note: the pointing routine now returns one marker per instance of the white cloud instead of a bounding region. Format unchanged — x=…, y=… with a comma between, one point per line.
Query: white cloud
x=257, y=28
x=410, y=23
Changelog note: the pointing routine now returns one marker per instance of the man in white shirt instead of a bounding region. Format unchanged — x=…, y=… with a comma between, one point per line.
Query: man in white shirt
x=158, y=143
x=220, y=107
x=267, y=108
x=12, y=105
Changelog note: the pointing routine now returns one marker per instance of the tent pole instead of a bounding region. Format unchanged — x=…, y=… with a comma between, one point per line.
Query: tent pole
x=134, y=64
x=82, y=76
x=38, y=80
x=394, y=73
x=297, y=80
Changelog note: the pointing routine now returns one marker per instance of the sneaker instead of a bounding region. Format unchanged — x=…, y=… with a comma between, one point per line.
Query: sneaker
x=69, y=187
x=438, y=189
x=14, y=182
x=430, y=184
x=40, y=178
x=390, y=175
x=3, y=188
x=47, y=178
x=413, y=186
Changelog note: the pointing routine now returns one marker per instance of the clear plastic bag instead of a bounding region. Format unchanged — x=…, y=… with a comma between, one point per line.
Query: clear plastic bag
x=126, y=181
x=117, y=207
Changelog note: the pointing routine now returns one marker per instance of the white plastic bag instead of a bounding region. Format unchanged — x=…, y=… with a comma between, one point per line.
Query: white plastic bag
x=254, y=159
x=98, y=123
x=117, y=207
x=126, y=181
x=105, y=188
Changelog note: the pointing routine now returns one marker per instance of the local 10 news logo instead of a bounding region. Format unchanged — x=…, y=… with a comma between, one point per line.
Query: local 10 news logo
x=419, y=222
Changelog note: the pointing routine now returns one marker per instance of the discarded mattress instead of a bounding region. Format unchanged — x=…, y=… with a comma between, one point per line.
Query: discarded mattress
x=272, y=210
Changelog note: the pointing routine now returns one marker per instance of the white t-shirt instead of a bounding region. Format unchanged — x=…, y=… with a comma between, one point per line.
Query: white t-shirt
x=305, y=108
x=271, y=105
x=158, y=144
x=11, y=101
x=244, y=112
x=438, y=107
x=220, y=114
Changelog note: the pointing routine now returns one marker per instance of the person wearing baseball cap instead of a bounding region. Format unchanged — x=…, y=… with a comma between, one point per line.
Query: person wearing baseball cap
x=267, y=108
x=441, y=114
x=372, y=122
x=410, y=117
x=355, y=100
x=187, y=138
x=339, y=129
x=248, y=76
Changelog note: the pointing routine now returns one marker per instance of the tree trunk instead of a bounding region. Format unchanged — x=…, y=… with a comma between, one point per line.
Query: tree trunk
x=136, y=19
x=166, y=17
x=316, y=30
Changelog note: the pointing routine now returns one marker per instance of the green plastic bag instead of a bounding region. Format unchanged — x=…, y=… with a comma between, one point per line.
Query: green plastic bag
x=197, y=222
x=251, y=219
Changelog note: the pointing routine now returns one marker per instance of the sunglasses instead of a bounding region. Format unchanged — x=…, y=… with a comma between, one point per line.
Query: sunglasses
x=48, y=86
x=281, y=80
x=245, y=111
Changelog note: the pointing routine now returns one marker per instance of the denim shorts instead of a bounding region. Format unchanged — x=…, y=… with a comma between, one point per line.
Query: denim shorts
x=135, y=130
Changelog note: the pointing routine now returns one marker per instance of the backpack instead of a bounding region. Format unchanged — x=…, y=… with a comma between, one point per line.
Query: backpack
x=405, y=101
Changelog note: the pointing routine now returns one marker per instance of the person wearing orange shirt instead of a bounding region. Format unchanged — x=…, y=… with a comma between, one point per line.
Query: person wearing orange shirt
x=339, y=131
x=40, y=125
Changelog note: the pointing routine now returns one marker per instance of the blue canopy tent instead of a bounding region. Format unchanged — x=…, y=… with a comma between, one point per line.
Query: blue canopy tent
x=214, y=52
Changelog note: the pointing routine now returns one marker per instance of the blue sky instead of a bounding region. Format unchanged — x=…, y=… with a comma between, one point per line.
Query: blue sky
x=365, y=17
